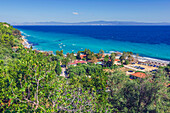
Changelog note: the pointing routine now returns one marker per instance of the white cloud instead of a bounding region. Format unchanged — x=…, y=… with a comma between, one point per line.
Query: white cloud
x=75, y=13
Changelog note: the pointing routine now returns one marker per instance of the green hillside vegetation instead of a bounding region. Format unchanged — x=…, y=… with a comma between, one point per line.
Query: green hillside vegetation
x=9, y=37
x=30, y=82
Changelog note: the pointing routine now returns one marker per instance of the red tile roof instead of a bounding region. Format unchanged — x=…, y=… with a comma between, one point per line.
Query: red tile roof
x=117, y=60
x=89, y=61
x=139, y=74
x=168, y=85
x=102, y=59
x=76, y=62
x=81, y=61
x=15, y=47
x=82, y=56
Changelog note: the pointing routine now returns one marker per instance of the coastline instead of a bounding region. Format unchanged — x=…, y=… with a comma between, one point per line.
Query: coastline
x=25, y=42
x=141, y=58
x=145, y=59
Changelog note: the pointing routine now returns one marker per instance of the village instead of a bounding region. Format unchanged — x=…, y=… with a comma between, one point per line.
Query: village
x=135, y=68
x=133, y=65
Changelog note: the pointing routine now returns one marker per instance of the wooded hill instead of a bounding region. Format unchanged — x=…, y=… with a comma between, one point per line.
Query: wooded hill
x=30, y=82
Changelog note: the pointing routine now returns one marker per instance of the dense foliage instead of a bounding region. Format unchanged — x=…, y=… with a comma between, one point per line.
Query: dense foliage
x=30, y=82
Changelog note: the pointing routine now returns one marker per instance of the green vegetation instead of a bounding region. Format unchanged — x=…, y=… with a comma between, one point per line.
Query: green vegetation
x=58, y=68
x=127, y=58
x=29, y=82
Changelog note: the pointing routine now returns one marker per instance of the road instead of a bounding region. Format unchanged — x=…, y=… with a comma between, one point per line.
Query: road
x=63, y=73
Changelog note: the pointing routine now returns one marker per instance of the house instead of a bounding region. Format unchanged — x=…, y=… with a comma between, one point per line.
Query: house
x=168, y=85
x=117, y=62
x=118, y=53
x=37, y=51
x=137, y=75
x=103, y=56
x=50, y=52
x=82, y=56
x=90, y=61
x=15, y=48
x=76, y=62
x=6, y=25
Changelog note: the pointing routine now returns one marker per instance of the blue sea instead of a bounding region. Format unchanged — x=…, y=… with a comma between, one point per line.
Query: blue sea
x=149, y=41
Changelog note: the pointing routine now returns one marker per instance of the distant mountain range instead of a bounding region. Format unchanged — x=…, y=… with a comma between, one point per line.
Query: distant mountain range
x=91, y=23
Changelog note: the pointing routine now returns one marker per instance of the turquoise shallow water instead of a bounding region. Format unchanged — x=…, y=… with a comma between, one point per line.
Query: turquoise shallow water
x=50, y=41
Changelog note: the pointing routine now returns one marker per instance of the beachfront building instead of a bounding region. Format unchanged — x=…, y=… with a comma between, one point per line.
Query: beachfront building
x=82, y=56
x=118, y=53
x=137, y=75
x=117, y=62
x=76, y=62
x=37, y=51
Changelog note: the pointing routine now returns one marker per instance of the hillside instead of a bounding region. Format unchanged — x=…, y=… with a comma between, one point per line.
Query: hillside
x=30, y=81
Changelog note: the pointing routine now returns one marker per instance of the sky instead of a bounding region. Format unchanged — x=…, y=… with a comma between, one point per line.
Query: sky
x=18, y=11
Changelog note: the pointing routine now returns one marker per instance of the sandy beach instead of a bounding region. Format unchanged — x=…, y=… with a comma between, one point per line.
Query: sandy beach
x=148, y=60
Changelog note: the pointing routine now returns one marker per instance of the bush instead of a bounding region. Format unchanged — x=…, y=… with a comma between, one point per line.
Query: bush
x=126, y=62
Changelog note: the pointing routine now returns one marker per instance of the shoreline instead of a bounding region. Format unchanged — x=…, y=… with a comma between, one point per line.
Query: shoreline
x=145, y=59
x=142, y=58
x=25, y=42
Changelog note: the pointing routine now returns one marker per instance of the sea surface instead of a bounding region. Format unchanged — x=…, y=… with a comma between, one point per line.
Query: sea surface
x=148, y=41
